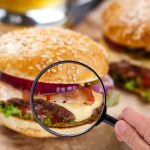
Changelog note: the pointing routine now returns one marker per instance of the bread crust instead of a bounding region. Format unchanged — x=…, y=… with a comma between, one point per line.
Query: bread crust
x=33, y=129
x=127, y=22
x=24, y=53
x=28, y=128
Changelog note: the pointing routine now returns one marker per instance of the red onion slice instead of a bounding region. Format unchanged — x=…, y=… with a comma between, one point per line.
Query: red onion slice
x=41, y=88
x=108, y=84
x=46, y=88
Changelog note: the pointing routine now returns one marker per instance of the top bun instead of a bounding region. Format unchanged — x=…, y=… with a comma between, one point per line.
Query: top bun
x=127, y=22
x=24, y=53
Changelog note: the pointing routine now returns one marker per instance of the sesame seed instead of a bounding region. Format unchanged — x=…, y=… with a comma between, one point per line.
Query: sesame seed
x=68, y=71
x=30, y=67
x=75, y=79
x=73, y=67
x=77, y=71
x=74, y=75
x=70, y=77
x=53, y=70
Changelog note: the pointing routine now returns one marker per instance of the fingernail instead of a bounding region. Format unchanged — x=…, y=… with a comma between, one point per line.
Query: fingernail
x=121, y=126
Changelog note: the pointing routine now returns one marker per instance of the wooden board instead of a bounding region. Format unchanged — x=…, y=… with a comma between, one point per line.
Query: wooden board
x=100, y=138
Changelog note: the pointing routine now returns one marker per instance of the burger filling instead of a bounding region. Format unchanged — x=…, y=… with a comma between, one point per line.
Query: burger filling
x=50, y=114
x=128, y=75
x=137, y=53
x=132, y=78
x=57, y=109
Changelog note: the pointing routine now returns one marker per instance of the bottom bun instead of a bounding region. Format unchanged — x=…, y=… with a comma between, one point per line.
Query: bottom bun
x=28, y=128
x=33, y=129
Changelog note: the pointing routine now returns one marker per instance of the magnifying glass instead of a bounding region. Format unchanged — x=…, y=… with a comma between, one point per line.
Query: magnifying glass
x=68, y=99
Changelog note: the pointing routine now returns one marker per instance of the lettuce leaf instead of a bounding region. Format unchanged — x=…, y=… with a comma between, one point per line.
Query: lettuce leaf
x=10, y=110
x=72, y=123
x=146, y=94
x=112, y=98
x=47, y=121
x=130, y=85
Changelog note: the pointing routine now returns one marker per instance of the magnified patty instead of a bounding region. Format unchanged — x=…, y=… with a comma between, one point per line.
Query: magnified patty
x=45, y=108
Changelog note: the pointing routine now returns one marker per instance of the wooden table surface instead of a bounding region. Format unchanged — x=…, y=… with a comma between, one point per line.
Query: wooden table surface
x=100, y=138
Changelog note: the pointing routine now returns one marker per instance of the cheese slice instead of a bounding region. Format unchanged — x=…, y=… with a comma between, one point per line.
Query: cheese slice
x=7, y=92
x=82, y=111
x=114, y=56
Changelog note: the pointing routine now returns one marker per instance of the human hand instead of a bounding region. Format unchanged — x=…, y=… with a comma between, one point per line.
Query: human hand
x=133, y=128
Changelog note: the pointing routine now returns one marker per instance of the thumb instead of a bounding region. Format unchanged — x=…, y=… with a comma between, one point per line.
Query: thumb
x=129, y=135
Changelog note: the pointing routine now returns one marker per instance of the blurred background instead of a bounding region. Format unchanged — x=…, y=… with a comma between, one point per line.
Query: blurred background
x=82, y=16
x=25, y=13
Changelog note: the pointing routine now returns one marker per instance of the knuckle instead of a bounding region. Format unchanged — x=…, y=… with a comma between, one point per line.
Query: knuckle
x=132, y=137
x=146, y=131
x=126, y=111
x=148, y=120
x=146, y=127
x=147, y=147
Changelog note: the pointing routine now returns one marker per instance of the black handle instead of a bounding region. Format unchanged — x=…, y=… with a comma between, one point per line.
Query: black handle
x=110, y=120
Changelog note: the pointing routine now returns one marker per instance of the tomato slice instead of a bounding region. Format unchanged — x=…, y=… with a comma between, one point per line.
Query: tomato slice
x=89, y=95
x=24, y=109
x=26, y=95
x=146, y=82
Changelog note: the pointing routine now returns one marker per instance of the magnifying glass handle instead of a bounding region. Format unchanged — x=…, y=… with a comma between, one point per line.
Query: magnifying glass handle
x=110, y=120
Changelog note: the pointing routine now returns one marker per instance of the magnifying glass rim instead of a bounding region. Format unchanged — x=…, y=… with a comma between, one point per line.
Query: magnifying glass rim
x=32, y=101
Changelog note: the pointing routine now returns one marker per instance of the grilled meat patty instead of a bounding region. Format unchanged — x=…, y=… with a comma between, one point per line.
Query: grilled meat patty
x=131, y=77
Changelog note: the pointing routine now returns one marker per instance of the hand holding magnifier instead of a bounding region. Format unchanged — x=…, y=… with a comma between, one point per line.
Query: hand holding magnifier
x=68, y=99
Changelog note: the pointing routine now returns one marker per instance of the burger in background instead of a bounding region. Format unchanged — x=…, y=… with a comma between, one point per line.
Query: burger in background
x=126, y=29
x=24, y=53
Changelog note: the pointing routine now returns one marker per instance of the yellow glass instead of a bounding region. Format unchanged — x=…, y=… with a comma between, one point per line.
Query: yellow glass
x=22, y=6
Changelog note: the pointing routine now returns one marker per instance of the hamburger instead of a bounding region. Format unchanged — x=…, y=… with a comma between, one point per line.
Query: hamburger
x=126, y=35
x=25, y=53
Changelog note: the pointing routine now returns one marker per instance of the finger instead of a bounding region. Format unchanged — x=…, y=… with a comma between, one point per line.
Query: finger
x=140, y=122
x=119, y=138
x=129, y=135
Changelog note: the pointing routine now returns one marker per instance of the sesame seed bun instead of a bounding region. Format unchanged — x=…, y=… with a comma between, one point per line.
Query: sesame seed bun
x=127, y=22
x=28, y=128
x=24, y=53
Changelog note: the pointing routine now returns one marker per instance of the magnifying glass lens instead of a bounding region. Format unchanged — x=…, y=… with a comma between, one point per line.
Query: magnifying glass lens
x=68, y=99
